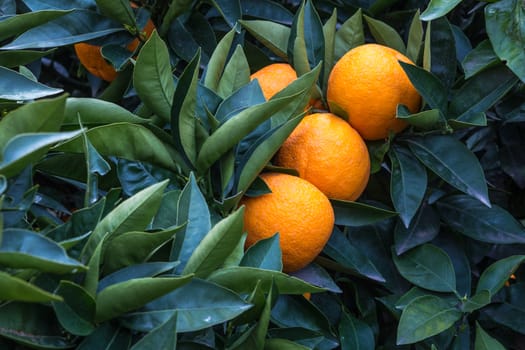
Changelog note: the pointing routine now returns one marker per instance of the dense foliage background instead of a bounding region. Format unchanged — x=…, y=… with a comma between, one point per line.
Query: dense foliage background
x=119, y=219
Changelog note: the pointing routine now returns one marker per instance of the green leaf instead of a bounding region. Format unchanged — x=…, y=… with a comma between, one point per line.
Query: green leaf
x=152, y=77
x=415, y=38
x=452, y=161
x=424, y=317
x=283, y=344
x=96, y=112
x=290, y=311
x=297, y=50
x=408, y=183
x=473, y=219
x=430, y=119
x=163, y=336
x=438, y=8
x=484, y=341
x=481, y=92
x=329, y=36
x=494, y=277
x=355, y=334
x=479, y=58
x=243, y=279
x=424, y=227
x=20, y=23
x=15, y=58
x=199, y=305
x=107, y=336
x=477, y=301
x=443, y=52
x=183, y=119
x=264, y=254
x=385, y=34
x=506, y=31
x=505, y=315
x=129, y=295
x=135, y=213
x=40, y=116
x=120, y=11
x=135, y=247
x=216, y=246
x=358, y=214
x=76, y=313
x=136, y=271
x=218, y=61
x=273, y=35
x=349, y=35
x=236, y=73
x=429, y=267
x=230, y=10
x=14, y=288
x=27, y=249
x=151, y=149
x=15, y=86
x=193, y=211
x=428, y=85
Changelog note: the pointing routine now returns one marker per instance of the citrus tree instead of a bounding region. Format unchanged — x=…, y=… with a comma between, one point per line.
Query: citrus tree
x=262, y=174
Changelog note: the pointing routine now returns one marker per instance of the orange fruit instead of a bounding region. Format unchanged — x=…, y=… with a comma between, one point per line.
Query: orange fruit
x=297, y=210
x=274, y=77
x=366, y=85
x=326, y=151
x=91, y=57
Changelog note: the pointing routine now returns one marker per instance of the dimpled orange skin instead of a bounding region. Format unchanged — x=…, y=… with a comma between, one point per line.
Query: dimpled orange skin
x=367, y=84
x=91, y=57
x=274, y=77
x=296, y=209
x=329, y=153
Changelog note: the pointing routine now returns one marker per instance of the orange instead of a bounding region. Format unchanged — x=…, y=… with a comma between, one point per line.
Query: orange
x=297, y=210
x=366, y=85
x=91, y=57
x=326, y=151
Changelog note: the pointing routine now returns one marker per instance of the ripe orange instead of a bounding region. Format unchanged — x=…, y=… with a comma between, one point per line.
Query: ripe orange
x=366, y=85
x=91, y=57
x=296, y=209
x=329, y=153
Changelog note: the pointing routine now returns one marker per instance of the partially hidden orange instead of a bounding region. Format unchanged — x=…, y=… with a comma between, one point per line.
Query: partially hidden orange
x=326, y=151
x=91, y=57
x=297, y=210
x=366, y=85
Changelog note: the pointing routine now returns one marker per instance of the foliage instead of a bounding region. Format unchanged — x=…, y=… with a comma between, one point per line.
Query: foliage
x=120, y=225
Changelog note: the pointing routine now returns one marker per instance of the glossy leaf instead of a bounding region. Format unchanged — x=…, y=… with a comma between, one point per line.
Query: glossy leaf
x=424, y=317
x=358, y=214
x=243, y=279
x=216, y=246
x=18, y=24
x=264, y=254
x=27, y=249
x=473, y=219
x=452, y=161
x=494, y=277
x=134, y=213
x=355, y=334
x=349, y=35
x=385, y=34
x=428, y=85
x=484, y=341
x=199, y=304
x=76, y=313
x=152, y=77
x=443, y=52
x=479, y=58
x=429, y=267
x=15, y=86
x=424, y=227
x=408, y=183
x=164, y=336
x=229, y=10
x=290, y=311
x=506, y=33
x=438, y=8
x=14, y=288
x=126, y=296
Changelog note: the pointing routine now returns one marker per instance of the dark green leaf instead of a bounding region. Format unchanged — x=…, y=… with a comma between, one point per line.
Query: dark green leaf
x=15, y=86
x=272, y=35
x=107, y=336
x=494, y=277
x=77, y=311
x=443, y=52
x=229, y=10
x=15, y=58
x=27, y=249
x=355, y=334
x=438, y=8
x=162, y=337
x=329, y=36
x=473, y=219
x=453, y=162
x=415, y=38
x=243, y=279
x=424, y=227
x=480, y=58
x=290, y=311
x=15, y=25
x=385, y=34
x=430, y=119
x=506, y=31
x=428, y=85
x=484, y=341
x=349, y=35
x=283, y=344
x=429, y=267
x=199, y=304
x=359, y=214
x=408, y=183
x=119, y=10
x=424, y=317
x=264, y=254
x=14, y=288
x=318, y=276
x=152, y=77
x=477, y=301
